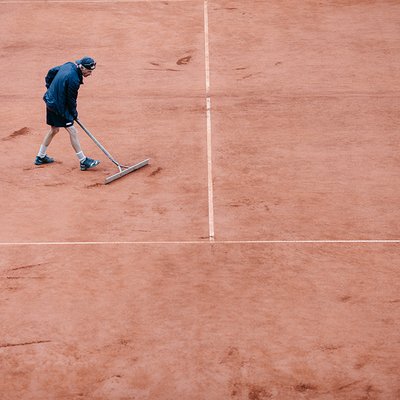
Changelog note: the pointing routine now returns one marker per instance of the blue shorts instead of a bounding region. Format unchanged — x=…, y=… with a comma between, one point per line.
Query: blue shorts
x=53, y=119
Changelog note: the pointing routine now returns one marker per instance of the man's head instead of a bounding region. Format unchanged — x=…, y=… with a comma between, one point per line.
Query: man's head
x=86, y=65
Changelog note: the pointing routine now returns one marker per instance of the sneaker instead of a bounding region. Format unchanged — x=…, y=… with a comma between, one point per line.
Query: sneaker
x=43, y=160
x=88, y=163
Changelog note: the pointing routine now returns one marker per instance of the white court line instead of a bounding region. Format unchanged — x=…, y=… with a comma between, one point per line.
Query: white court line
x=211, y=230
x=48, y=2
x=172, y=242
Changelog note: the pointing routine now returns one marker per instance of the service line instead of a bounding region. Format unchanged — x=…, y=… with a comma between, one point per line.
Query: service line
x=211, y=230
x=48, y=2
x=202, y=242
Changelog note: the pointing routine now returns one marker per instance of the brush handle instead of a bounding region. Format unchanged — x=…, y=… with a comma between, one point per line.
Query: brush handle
x=97, y=142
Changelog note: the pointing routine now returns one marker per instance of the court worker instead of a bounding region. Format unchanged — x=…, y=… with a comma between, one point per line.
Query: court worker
x=62, y=83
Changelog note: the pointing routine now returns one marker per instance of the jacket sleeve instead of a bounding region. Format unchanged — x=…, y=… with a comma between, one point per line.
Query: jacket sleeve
x=72, y=96
x=50, y=75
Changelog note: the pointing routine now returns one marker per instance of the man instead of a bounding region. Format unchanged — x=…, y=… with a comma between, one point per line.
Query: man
x=62, y=83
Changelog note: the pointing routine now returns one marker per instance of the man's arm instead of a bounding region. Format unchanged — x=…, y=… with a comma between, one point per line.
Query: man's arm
x=72, y=95
x=50, y=75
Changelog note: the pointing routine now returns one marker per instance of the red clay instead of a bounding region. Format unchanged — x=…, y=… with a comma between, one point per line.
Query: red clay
x=305, y=146
x=200, y=321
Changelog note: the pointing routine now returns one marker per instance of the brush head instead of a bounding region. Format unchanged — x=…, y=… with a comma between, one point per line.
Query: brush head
x=126, y=171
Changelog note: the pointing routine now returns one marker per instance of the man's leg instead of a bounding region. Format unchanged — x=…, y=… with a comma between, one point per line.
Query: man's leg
x=85, y=162
x=49, y=137
x=73, y=137
x=42, y=158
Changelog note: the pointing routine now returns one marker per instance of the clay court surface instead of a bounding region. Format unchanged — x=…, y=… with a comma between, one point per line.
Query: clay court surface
x=257, y=256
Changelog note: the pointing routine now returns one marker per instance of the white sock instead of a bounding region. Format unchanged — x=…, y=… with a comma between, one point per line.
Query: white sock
x=42, y=151
x=81, y=156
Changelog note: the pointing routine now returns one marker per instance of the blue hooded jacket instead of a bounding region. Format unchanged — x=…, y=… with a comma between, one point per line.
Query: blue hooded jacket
x=62, y=83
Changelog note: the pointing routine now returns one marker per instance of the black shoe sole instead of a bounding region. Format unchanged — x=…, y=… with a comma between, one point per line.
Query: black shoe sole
x=84, y=168
x=43, y=163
